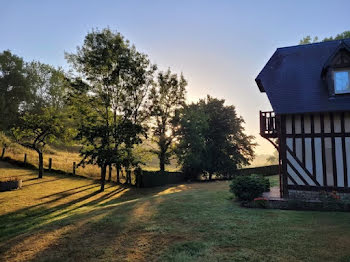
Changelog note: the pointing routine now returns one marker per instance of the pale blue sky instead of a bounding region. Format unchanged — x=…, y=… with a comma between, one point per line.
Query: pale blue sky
x=220, y=46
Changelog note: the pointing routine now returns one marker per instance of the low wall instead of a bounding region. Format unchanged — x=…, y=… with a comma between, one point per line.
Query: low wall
x=261, y=170
x=157, y=178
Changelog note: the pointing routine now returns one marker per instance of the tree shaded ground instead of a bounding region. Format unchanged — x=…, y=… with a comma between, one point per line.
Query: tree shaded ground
x=60, y=218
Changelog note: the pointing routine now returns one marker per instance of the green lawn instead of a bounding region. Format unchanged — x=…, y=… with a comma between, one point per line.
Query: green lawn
x=61, y=218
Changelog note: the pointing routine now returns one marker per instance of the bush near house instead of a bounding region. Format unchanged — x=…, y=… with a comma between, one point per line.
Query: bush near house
x=246, y=188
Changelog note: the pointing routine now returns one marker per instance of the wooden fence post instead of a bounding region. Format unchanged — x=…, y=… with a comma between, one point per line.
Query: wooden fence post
x=110, y=173
x=3, y=152
x=50, y=164
x=74, y=166
x=25, y=159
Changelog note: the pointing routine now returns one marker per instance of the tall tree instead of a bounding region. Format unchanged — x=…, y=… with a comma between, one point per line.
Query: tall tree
x=117, y=78
x=167, y=97
x=15, y=89
x=190, y=150
x=223, y=146
x=45, y=117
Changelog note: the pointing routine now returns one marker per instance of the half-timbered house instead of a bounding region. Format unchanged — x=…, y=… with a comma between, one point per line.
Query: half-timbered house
x=309, y=90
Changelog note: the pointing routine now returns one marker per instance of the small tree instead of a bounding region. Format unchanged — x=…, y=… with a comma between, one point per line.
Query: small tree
x=35, y=130
x=167, y=98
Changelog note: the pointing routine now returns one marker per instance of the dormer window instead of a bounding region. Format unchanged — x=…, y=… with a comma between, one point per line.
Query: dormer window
x=336, y=71
x=341, y=79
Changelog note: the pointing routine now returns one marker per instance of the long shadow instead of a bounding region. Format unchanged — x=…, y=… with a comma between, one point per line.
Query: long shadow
x=32, y=219
x=37, y=214
x=14, y=223
x=42, y=181
x=65, y=191
x=91, y=203
x=114, y=232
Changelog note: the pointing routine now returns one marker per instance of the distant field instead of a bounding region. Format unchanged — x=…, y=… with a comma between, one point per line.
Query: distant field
x=62, y=159
x=61, y=218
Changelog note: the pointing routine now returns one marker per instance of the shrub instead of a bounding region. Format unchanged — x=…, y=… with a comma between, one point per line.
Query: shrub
x=265, y=181
x=246, y=188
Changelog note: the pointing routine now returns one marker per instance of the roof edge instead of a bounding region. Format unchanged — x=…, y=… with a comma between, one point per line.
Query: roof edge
x=260, y=85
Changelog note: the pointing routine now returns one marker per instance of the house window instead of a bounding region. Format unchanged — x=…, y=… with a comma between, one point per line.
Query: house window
x=341, y=81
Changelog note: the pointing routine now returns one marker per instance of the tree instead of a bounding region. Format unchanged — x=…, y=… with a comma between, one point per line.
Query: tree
x=213, y=135
x=35, y=130
x=190, y=150
x=308, y=40
x=45, y=117
x=117, y=78
x=15, y=89
x=167, y=98
x=49, y=86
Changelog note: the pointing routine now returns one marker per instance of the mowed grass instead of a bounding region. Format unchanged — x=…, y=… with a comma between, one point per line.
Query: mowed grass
x=61, y=218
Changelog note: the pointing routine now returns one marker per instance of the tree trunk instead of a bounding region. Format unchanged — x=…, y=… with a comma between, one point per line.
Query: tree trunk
x=110, y=172
x=3, y=152
x=162, y=161
x=118, y=174
x=41, y=165
x=103, y=177
x=128, y=176
x=210, y=176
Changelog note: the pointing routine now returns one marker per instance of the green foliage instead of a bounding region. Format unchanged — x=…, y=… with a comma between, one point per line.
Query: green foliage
x=167, y=98
x=246, y=188
x=212, y=139
x=109, y=102
x=264, y=181
x=4, y=140
x=15, y=89
x=191, y=148
x=49, y=84
x=308, y=40
x=27, y=87
x=35, y=129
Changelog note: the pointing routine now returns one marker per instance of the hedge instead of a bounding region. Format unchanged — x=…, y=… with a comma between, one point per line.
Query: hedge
x=157, y=178
x=261, y=170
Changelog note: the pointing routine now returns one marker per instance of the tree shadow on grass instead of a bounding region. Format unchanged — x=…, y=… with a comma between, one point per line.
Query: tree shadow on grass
x=99, y=221
x=110, y=234
x=69, y=192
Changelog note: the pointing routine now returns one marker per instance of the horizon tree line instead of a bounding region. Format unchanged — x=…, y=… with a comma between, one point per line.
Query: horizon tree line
x=113, y=99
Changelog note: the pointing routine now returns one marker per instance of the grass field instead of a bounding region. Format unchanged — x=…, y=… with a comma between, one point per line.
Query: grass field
x=61, y=218
x=62, y=159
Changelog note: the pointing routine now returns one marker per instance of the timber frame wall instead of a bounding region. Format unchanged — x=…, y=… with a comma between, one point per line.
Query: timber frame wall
x=315, y=152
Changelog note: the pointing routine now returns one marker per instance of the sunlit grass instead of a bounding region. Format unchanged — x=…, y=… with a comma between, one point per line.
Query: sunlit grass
x=63, y=160
x=64, y=218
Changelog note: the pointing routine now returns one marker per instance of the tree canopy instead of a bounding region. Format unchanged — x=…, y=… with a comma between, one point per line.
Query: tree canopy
x=167, y=97
x=110, y=102
x=117, y=78
x=309, y=40
x=212, y=139
x=16, y=91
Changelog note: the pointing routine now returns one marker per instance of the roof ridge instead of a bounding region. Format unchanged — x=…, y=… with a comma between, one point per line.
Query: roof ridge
x=313, y=44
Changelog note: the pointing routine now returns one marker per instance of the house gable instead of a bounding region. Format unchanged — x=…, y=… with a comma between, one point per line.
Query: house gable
x=298, y=79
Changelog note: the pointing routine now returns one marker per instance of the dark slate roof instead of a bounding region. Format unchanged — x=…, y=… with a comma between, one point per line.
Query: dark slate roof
x=292, y=79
